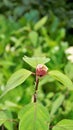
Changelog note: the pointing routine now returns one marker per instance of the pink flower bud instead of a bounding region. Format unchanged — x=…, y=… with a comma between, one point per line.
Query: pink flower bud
x=41, y=70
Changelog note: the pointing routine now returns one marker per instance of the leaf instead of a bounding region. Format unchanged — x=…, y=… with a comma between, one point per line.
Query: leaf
x=32, y=15
x=34, y=61
x=40, y=23
x=64, y=125
x=6, y=63
x=33, y=37
x=54, y=25
x=34, y=116
x=69, y=70
x=16, y=79
x=5, y=116
x=62, y=78
x=8, y=124
x=56, y=104
x=2, y=117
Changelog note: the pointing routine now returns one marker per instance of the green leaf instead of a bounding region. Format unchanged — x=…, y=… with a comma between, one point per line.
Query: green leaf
x=5, y=116
x=64, y=125
x=54, y=25
x=16, y=79
x=34, y=61
x=8, y=124
x=69, y=70
x=62, y=78
x=34, y=116
x=56, y=104
x=2, y=117
x=40, y=23
x=33, y=37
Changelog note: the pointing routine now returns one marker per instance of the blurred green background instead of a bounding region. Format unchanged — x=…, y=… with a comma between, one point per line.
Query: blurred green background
x=36, y=28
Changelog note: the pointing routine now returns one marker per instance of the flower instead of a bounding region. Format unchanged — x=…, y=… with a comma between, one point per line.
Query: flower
x=41, y=70
x=70, y=58
x=69, y=51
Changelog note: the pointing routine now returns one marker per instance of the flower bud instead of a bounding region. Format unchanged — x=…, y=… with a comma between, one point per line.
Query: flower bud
x=41, y=70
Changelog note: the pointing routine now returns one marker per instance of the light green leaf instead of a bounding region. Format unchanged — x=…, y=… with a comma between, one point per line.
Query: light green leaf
x=2, y=117
x=62, y=78
x=40, y=23
x=8, y=124
x=34, y=61
x=16, y=79
x=64, y=125
x=34, y=116
x=33, y=37
x=5, y=116
x=69, y=70
x=6, y=63
x=56, y=104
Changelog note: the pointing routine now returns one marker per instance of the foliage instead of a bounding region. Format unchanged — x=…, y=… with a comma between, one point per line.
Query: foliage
x=26, y=40
x=33, y=10
x=38, y=117
x=35, y=114
x=64, y=124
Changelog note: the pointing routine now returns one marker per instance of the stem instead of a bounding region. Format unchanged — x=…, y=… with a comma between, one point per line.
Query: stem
x=2, y=127
x=33, y=73
x=36, y=88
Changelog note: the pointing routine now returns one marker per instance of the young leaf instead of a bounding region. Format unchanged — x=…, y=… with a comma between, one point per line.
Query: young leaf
x=40, y=23
x=16, y=79
x=34, y=61
x=64, y=125
x=34, y=116
x=57, y=104
x=62, y=78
